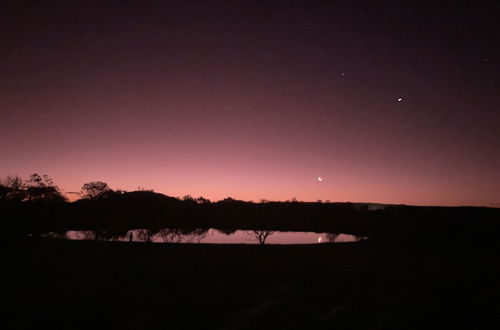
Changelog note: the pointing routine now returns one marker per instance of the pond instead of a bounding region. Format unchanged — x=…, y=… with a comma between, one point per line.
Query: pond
x=208, y=236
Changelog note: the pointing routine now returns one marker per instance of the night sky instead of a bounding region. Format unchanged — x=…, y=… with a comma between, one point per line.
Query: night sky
x=394, y=103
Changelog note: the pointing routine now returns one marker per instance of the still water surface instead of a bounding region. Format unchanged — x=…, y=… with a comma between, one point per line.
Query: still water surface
x=209, y=236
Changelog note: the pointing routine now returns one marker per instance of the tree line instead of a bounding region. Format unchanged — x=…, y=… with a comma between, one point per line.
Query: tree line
x=35, y=188
x=37, y=205
x=41, y=188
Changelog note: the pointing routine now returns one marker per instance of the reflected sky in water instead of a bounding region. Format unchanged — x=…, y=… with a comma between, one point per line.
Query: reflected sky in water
x=212, y=236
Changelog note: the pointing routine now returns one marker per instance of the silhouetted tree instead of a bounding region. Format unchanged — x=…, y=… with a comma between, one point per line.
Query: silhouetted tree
x=96, y=189
x=188, y=198
x=262, y=235
x=228, y=200
x=4, y=192
x=42, y=188
x=11, y=188
x=201, y=200
x=141, y=188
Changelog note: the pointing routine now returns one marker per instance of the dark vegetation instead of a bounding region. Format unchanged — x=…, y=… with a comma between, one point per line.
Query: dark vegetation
x=36, y=206
x=423, y=267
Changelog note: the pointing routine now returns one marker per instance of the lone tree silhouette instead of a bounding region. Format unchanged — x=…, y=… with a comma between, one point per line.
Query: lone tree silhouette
x=96, y=189
x=262, y=235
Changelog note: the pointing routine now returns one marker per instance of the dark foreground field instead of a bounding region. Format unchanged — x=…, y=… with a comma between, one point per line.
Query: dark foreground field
x=60, y=284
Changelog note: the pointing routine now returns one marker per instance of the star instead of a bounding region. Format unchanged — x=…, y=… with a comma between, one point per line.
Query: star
x=400, y=99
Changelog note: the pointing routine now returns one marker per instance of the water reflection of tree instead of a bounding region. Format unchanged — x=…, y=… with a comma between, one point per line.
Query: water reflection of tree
x=170, y=235
x=261, y=235
x=146, y=235
x=226, y=231
x=107, y=234
x=174, y=235
x=331, y=237
x=195, y=235
x=87, y=234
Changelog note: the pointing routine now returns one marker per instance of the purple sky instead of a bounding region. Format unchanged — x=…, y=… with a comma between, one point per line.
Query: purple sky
x=257, y=100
